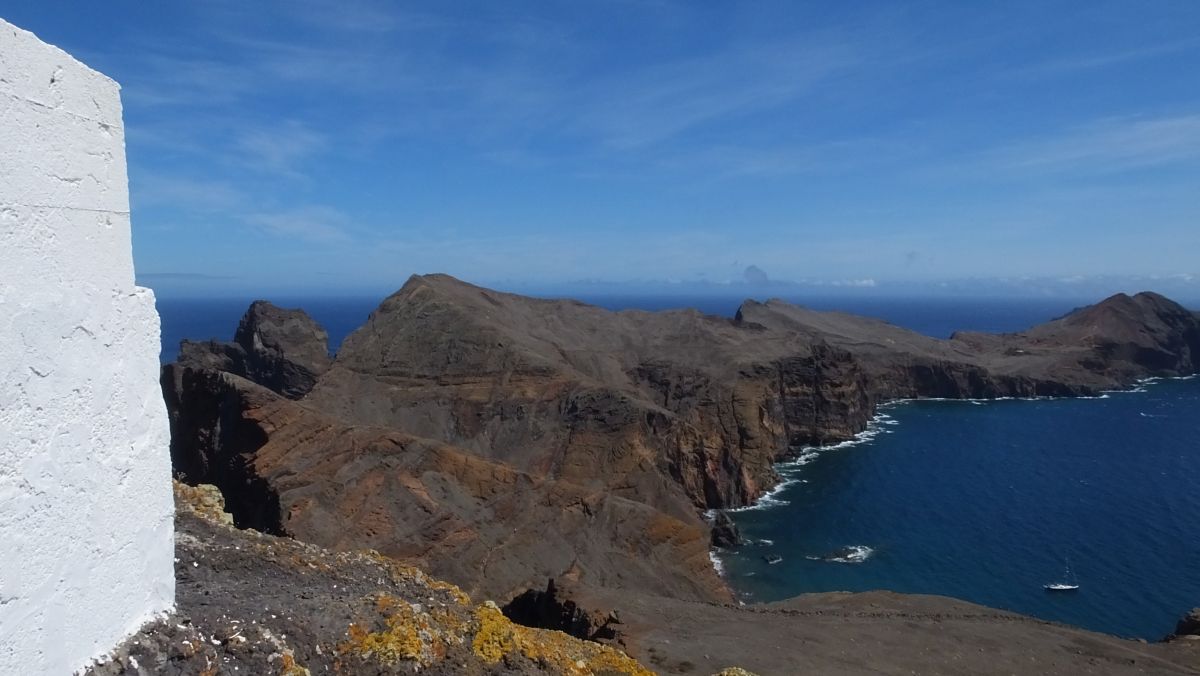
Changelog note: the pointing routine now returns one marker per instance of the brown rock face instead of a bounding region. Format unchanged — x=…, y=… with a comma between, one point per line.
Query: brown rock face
x=289, y=470
x=501, y=440
x=282, y=350
x=635, y=403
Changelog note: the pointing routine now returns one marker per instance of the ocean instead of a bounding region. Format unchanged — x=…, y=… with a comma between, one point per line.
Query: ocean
x=983, y=501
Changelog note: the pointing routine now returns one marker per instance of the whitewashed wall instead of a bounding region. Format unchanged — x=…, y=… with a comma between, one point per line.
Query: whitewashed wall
x=85, y=498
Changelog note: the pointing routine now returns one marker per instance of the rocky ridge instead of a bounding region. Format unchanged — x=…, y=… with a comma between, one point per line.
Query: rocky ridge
x=499, y=441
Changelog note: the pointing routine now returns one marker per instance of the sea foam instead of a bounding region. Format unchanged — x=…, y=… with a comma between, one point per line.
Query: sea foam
x=716, y=562
x=848, y=554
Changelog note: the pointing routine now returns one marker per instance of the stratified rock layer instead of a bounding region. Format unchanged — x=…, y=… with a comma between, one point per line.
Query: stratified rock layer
x=499, y=440
x=287, y=469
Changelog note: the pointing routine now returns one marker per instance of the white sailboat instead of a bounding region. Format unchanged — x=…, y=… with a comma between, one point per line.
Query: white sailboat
x=1068, y=583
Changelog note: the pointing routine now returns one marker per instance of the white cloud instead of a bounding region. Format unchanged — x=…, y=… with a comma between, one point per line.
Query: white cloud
x=651, y=104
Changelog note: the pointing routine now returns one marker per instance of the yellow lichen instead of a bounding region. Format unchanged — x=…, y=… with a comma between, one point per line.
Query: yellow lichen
x=408, y=633
x=404, y=632
x=289, y=667
x=734, y=671
x=204, y=500
x=497, y=637
x=400, y=640
x=459, y=596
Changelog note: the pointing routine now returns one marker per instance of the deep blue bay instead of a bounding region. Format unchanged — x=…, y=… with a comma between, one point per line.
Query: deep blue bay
x=981, y=501
x=985, y=501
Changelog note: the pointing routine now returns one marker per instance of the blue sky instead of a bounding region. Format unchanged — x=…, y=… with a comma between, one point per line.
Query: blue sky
x=337, y=147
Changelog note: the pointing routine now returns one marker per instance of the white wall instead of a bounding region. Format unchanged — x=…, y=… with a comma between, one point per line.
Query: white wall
x=86, y=532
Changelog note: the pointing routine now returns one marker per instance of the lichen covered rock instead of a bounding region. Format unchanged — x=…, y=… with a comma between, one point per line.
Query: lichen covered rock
x=252, y=603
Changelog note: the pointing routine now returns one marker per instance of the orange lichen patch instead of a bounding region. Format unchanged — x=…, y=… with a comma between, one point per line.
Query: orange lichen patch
x=405, y=633
x=497, y=637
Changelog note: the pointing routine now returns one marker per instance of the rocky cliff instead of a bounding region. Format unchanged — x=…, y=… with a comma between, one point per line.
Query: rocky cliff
x=290, y=470
x=500, y=440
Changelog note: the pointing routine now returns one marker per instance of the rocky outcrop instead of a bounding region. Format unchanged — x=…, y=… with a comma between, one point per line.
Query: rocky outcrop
x=1188, y=626
x=282, y=350
x=500, y=440
x=725, y=532
x=255, y=604
x=547, y=609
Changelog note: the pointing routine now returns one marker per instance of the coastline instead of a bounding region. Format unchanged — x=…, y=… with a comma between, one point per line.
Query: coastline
x=789, y=470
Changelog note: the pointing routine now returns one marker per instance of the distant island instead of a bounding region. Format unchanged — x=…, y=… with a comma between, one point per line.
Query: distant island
x=499, y=441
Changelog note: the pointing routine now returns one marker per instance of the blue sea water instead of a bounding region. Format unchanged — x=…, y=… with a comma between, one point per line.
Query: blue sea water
x=983, y=502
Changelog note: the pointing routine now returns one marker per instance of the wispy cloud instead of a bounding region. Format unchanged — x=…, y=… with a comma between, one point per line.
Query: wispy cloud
x=318, y=224
x=167, y=77
x=279, y=149
x=527, y=87
x=655, y=103
x=1084, y=62
x=1111, y=145
x=360, y=16
x=154, y=189
x=311, y=223
x=800, y=138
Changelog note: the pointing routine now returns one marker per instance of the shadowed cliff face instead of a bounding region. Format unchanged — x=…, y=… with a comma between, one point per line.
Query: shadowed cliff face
x=503, y=440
